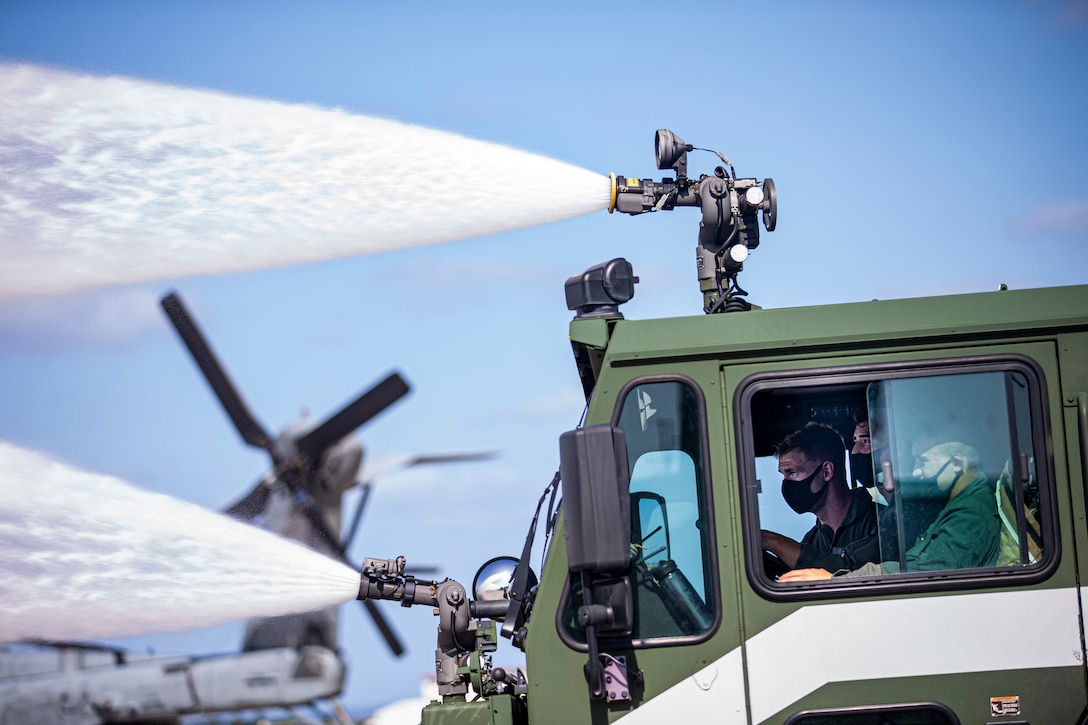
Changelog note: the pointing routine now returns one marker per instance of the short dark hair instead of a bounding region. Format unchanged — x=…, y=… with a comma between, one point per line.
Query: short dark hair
x=818, y=443
x=861, y=415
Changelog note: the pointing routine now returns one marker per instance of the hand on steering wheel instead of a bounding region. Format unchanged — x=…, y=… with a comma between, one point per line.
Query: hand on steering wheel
x=773, y=567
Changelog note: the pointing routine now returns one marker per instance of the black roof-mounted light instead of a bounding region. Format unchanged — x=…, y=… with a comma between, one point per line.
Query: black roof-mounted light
x=601, y=289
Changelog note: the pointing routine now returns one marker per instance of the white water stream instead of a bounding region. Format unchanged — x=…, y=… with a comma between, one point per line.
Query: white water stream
x=88, y=556
x=110, y=180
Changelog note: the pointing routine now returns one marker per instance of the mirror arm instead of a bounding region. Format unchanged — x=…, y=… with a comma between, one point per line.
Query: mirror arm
x=594, y=669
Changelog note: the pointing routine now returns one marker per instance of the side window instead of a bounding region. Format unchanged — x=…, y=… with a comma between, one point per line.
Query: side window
x=673, y=572
x=670, y=528
x=892, y=473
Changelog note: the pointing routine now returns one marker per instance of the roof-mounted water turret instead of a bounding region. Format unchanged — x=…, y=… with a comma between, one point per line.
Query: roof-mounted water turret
x=728, y=229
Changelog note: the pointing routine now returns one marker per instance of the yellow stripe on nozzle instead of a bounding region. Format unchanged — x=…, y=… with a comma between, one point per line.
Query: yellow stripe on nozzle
x=612, y=203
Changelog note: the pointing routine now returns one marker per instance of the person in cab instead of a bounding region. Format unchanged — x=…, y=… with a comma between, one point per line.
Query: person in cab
x=966, y=531
x=812, y=462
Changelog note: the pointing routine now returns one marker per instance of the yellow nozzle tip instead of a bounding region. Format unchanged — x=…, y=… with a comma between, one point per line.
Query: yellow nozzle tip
x=612, y=202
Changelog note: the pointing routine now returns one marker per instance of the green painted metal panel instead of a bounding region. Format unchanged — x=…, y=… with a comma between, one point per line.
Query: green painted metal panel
x=1050, y=326
x=860, y=325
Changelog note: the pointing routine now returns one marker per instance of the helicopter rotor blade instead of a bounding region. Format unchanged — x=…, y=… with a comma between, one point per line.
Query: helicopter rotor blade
x=322, y=532
x=397, y=464
x=388, y=465
x=366, y=489
x=324, y=536
x=353, y=415
x=454, y=457
x=251, y=431
x=383, y=626
x=311, y=445
x=357, y=515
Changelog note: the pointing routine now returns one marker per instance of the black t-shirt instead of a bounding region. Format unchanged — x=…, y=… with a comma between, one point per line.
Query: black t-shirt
x=854, y=543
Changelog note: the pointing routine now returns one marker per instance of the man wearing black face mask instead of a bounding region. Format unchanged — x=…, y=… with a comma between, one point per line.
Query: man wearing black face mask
x=966, y=532
x=861, y=454
x=812, y=463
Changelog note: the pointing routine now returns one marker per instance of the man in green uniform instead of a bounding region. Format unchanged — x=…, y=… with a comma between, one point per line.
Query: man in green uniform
x=966, y=531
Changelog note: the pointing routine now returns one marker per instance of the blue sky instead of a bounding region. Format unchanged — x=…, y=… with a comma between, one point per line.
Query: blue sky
x=917, y=148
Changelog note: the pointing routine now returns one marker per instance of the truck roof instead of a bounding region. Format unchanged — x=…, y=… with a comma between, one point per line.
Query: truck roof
x=794, y=329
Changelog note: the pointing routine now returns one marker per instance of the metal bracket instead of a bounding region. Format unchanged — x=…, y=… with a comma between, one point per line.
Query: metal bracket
x=615, y=678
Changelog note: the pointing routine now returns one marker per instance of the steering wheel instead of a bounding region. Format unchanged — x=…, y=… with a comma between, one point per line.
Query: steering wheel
x=773, y=567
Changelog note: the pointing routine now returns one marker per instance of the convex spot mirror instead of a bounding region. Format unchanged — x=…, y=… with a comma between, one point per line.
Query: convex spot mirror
x=494, y=579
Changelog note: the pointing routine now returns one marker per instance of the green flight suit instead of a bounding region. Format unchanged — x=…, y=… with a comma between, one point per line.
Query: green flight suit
x=965, y=535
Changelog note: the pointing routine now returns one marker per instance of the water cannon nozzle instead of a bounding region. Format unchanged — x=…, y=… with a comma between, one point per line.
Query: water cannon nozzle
x=729, y=229
x=383, y=568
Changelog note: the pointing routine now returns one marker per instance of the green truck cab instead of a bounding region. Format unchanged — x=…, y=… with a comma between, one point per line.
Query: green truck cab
x=659, y=600
x=702, y=401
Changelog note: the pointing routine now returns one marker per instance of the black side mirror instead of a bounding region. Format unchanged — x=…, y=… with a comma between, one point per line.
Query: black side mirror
x=596, y=499
x=597, y=519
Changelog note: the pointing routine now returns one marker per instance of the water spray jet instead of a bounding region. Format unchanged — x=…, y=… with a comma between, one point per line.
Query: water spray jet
x=117, y=181
x=88, y=556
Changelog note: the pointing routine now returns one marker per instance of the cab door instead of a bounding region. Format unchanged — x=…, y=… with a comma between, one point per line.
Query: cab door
x=680, y=659
x=988, y=628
